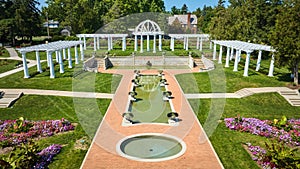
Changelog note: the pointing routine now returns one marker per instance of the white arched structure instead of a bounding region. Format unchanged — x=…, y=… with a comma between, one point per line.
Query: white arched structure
x=240, y=46
x=147, y=28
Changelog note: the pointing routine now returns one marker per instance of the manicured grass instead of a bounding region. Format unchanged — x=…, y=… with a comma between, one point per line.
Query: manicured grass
x=33, y=107
x=228, y=143
x=7, y=65
x=4, y=53
x=225, y=80
x=90, y=82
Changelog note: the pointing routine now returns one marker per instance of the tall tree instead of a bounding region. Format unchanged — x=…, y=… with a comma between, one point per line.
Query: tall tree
x=285, y=37
x=184, y=9
x=175, y=10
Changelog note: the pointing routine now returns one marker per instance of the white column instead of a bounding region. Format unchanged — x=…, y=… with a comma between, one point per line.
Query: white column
x=61, y=63
x=240, y=53
x=258, y=61
x=231, y=55
x=111, y=43
x=201, y=45
x=227, y=57
x=124, y=44
x=81, y=52
x=56, y=56
x=236, y=61
x=198, y=39
x=84, y=42
x=64, y=54
x=69, y=58
x=52, y=73
x=148, y=43
x=220, y=55
x=95, y=44
x=247, y=64
x=173, y=45
x=142, y=45
x=184, y=43
x=271, y=70
x=135, y=43
x=154, y=44
x=187, y=43
x=38, y=61
x=108, y=44
x=76, y=56
x=160, y=43
x=48, y=60
x=210, y=45
x=98, y=43
x=215, y=51
x=25, y=67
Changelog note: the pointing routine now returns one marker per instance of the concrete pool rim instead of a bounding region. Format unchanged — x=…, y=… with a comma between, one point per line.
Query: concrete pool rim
x=167, y=136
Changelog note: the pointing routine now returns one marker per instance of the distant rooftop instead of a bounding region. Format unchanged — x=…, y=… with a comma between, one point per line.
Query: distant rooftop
x=183, y=19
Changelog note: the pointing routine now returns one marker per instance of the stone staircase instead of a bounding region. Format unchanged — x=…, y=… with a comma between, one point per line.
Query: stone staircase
x=292, y=96
x=7, y=99
x=244, y=93
x=208, y=64
x=101, y=63
x=198, y=63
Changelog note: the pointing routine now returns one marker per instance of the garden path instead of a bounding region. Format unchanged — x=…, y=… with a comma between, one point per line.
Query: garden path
x=60, y=93
x=102, y=153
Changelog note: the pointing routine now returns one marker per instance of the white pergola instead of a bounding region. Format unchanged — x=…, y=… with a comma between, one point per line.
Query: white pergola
x=185, y=37
x=147, y=28
x=109, y=38
x=49, y=48
x=240, y=46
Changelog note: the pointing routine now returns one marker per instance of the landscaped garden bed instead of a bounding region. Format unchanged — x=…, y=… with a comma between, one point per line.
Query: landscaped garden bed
x=20, y=134
x=75, y=142
x=15, y=132
x=283, y=152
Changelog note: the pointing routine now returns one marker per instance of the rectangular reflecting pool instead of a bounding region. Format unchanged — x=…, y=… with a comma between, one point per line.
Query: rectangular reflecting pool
x=149, y=106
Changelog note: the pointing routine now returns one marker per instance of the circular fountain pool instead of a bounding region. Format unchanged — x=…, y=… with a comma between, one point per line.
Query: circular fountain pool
x=151, y=147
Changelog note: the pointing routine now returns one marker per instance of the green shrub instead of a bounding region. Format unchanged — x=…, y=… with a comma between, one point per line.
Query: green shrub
x=282, y=156
x=71, y=38
x=23, y=156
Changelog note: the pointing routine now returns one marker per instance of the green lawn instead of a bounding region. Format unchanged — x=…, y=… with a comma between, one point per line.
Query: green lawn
x=7, y=65
x=225, y=80
x=229, y=144
x=33, y=107
x=89, y=82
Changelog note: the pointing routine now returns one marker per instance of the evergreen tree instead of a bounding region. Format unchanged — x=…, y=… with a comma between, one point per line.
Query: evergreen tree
x=285, y=37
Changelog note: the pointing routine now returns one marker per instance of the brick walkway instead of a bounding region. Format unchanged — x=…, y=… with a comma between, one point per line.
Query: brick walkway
x=102, y=153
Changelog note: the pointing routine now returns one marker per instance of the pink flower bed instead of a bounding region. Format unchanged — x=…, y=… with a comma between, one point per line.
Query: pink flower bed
x=12, y=134
x=266, y=128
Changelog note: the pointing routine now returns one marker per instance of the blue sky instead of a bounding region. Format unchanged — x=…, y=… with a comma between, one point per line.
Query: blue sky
x=192, y=4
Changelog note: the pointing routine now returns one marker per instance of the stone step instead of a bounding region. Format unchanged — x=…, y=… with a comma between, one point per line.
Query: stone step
x=244, y=93
x=9, y=98
x=11, y=95
x=3, y=105
x=289, y=92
